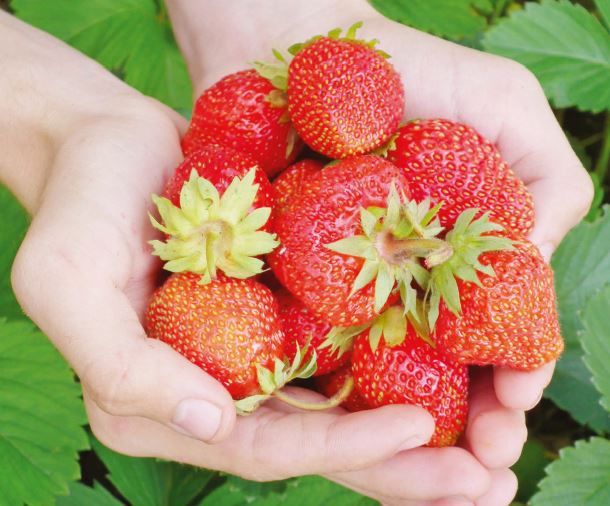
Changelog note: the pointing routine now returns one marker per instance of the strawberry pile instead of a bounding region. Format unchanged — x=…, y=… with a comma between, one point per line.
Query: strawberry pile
x=309, y=233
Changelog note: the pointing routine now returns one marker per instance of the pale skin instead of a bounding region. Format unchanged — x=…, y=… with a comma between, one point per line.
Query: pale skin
x=83, y=152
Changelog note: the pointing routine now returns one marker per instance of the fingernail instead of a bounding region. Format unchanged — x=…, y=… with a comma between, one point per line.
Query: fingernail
x=546, y=250
x=197, y=418
x=413, y=442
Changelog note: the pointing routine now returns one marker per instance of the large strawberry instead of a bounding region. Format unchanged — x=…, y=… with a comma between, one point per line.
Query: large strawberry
x=331, y=384
x=344, y=97
x=452, y=163
x=208, y=231
x=246, y=112
x=413, y=372
x=507, y=316
x=302, y=328
x=348, y=239
x=220, y=165
x=225, y=327
x=293, y=180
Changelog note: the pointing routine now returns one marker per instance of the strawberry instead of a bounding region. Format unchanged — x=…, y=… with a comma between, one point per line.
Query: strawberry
x=507, y=316
x=452, y=163
x=303, y=328
x=330, y=384
x=292, y=181
x=225, y=327
x=318, y=261
x=246, y=112
x=413, y=372
x=220, y=165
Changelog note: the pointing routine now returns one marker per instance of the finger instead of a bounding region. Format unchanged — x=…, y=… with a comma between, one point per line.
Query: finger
x=502, y=490
x=422, y=474
x=521, y=390
x=269, y=445
x=494, y=434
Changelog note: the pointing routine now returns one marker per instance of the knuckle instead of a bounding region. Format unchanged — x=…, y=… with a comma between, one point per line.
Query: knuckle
x=583, y=193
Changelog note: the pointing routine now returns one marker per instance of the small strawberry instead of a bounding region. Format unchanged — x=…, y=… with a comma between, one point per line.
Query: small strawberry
x=302, y=328
x=220, y=165
x=246, y=112
x=348, y=239
x=344, y=97
x=225, y=327
x=332, y=383
x=507, y=315
x=292, y=181
x=451, y=163
x=209, y=232
x=413, y=372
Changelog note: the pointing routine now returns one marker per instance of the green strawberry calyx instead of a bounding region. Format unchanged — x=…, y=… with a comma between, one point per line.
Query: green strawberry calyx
x=340, y=339
x=393, y=242
x=468, y=239
x=210, y=233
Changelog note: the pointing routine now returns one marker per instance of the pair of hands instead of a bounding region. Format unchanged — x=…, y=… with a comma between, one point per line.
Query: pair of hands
x=84, y=273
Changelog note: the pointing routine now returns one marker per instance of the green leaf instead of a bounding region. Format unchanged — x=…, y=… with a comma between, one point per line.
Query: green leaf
x=596, y=343
x=41, y=418
x=309, y=490
x=564, y=45
x=81, y=494
x=582, y=268
x=580, y=477
x=604, y=10
x=530, y=469
x=15, y=222
x=150, y=482
x=456, y=19
x=130, y=37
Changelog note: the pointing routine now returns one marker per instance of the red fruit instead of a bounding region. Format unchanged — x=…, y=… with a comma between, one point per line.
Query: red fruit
x=414, y=373
x=511, y=319
x=452, y=163
x=328, y=210
x=237, y=112
x=331, y=383
x=225, y=327
x=344, y=97
x=301, y=326
x=293, y=180
x=219, y=165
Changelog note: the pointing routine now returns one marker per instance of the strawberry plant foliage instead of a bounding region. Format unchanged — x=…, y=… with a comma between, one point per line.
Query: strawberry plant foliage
x=40, y=418
x=91, y=496
x=581, y=476
x=564, y=45
x=123, y=35
x=582, y=267
x=596, y=343
x=456, y=19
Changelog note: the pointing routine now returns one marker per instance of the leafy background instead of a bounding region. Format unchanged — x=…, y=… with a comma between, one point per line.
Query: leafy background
x=47, y=455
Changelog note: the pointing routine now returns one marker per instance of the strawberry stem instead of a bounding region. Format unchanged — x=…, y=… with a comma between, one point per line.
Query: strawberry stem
x=332, y=402
x=397, y=251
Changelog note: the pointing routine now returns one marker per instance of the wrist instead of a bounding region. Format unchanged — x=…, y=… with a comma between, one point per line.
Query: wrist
x=218, y=38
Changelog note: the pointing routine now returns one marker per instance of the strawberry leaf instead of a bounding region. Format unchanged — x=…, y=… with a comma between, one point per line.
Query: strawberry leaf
x=596, y=344
x=41, y=418
x=121, y=35
x=590, y=461
x=91, y=496
x=564, y=45
x=14, y=224
x=582, y=268
x=456, y=19
x=152, y=482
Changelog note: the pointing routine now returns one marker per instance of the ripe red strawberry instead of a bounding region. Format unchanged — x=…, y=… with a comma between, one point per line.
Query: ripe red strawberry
x=331, y=383
x=451, y=163
x=414, y=373
x=246, y=112
x=292, y=180
x=328, y=211
x=344, y=97
x=302, y=327
x=508, y=319
x=225, y=327
x=220, y=165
